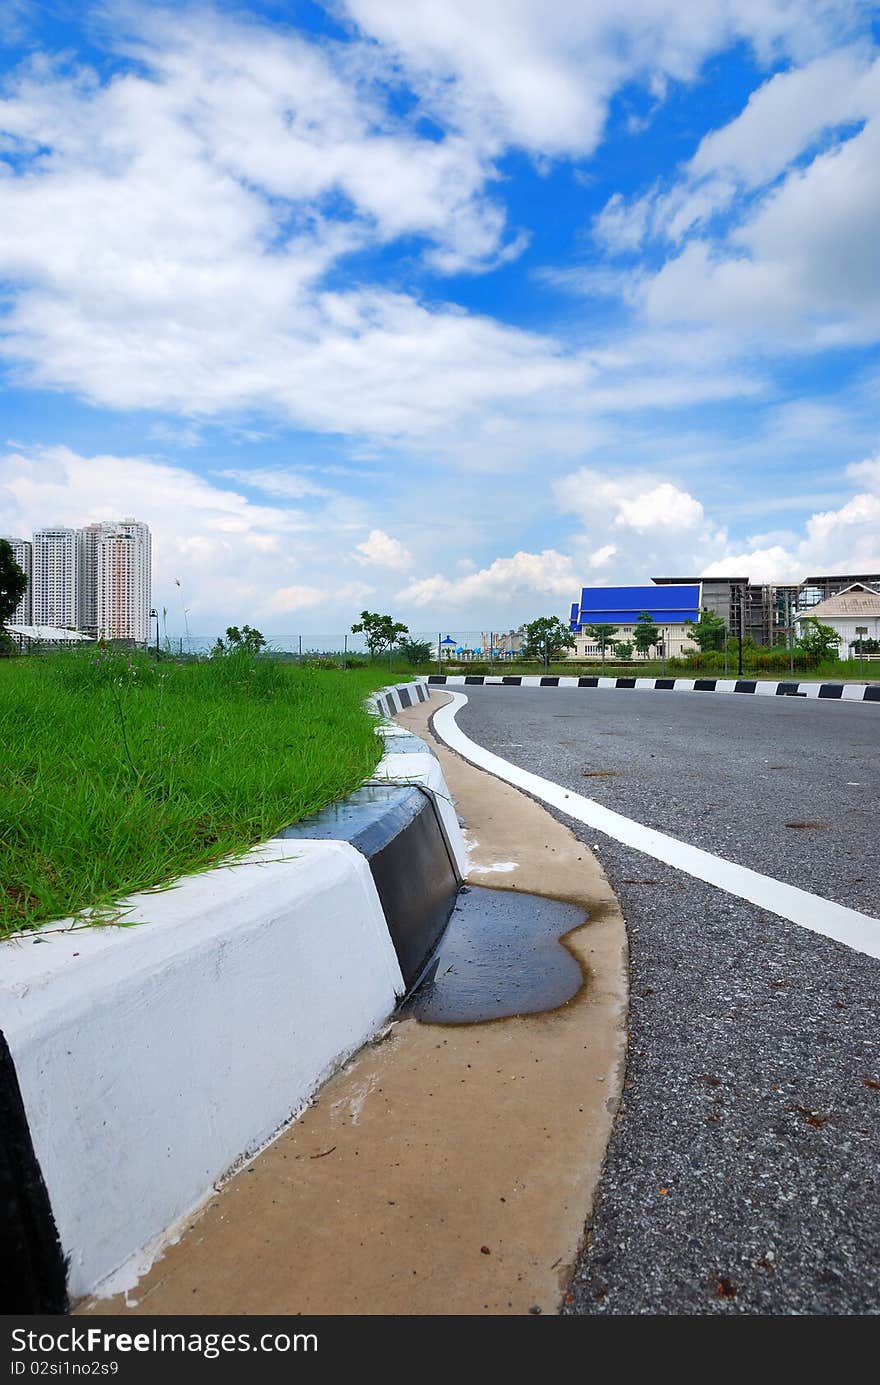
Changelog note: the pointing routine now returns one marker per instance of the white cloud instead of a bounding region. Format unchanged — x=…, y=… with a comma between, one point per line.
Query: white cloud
x=288, y=485
x=502, y=584
x=772, y=223
x=661, y=530
x=540, y=73
x=602, y=556
x=664, y=507
x=380, y=548
x=304, y=597
x=867, y=471
x=166, y=232
x=788, y=116
x=638, y=502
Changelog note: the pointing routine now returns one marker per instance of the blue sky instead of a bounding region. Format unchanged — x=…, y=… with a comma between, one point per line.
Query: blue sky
x=442, y=309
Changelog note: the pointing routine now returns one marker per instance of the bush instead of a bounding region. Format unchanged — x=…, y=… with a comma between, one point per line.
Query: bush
x=415, y=651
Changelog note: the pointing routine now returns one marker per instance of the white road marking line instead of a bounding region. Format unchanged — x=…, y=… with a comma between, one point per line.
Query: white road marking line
x=831, y=920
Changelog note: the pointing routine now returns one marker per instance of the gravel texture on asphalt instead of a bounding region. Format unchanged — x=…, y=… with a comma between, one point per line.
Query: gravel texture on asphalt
x=742, y=1176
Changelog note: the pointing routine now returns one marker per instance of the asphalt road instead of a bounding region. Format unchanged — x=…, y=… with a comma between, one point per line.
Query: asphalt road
x=744, y=1171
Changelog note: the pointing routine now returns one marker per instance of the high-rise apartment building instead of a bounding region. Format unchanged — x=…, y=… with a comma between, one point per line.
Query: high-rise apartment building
x=88, y=540
x=23, y=552
x=54, y=578
x=123, y=582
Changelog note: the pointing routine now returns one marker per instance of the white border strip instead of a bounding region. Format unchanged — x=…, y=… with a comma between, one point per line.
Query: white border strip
x=823, y=916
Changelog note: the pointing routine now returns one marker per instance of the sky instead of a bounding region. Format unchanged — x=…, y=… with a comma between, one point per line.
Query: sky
x=444, y=309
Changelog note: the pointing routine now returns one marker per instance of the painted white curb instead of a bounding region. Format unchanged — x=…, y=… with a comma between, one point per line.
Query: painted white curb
x=425, y=769
x=152, y=1059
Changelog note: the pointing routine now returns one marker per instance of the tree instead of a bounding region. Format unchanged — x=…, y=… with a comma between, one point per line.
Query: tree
x=546, y=638
x=623, y=650
x=818, y=641
x=707, y=632
x=415, y=651
x=646, y=633
x=13, y=582
x=243, y=641
x=380, y=632
x=602, y=634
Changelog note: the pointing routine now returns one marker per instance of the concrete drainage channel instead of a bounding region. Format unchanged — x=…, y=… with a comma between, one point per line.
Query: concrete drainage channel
x=138, y=1067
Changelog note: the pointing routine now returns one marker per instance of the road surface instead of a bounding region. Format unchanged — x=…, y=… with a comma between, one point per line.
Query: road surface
x=743, y=1172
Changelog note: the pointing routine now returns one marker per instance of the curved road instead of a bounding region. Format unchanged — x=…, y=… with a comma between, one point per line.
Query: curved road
x=743, y=1172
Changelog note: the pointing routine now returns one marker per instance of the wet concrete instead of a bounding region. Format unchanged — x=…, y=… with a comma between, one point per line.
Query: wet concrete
x=438, y=1143
x=502, y=954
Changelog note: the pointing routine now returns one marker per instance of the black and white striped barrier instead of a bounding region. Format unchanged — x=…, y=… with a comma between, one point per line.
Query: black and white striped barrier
x=390, y=701
x=139, y=1065
x=847, y=692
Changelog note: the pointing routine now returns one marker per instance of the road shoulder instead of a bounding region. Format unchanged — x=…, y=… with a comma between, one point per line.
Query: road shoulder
x=446, y=1169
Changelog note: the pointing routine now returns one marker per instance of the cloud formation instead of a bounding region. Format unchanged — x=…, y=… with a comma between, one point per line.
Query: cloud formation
x=767, y=231
x=380, y=548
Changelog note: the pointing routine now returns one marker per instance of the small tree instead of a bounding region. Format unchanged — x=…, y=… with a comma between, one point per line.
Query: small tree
x=818, y=641
x=623, y=650
x=243, y=641
x=380, y=632
x=546, y=638
x=602, y=634
x=415, y=651
x=708, y=631
x=646, y=634
x=13, y=582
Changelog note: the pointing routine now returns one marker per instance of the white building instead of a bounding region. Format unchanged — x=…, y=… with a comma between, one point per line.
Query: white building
x=855, y=608
x=54, y=578
x=88, y=540
x=123, y=582
x=23, y=553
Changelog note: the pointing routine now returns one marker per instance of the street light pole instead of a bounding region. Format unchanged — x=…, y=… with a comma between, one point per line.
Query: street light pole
x=861, y=631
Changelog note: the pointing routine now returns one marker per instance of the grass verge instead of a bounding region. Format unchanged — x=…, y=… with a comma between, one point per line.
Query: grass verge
x=118, y=774
x=832, y=671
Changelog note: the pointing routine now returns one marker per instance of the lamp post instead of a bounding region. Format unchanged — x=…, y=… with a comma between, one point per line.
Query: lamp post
x=154, y=615
x=861, y=631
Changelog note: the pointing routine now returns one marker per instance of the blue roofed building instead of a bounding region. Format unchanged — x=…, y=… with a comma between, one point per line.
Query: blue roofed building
x=670, y=608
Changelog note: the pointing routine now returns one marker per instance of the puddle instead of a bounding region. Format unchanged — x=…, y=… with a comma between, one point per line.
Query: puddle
x=499, y=956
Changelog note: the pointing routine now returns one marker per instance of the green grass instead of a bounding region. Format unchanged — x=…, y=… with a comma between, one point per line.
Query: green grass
x=118, y=774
